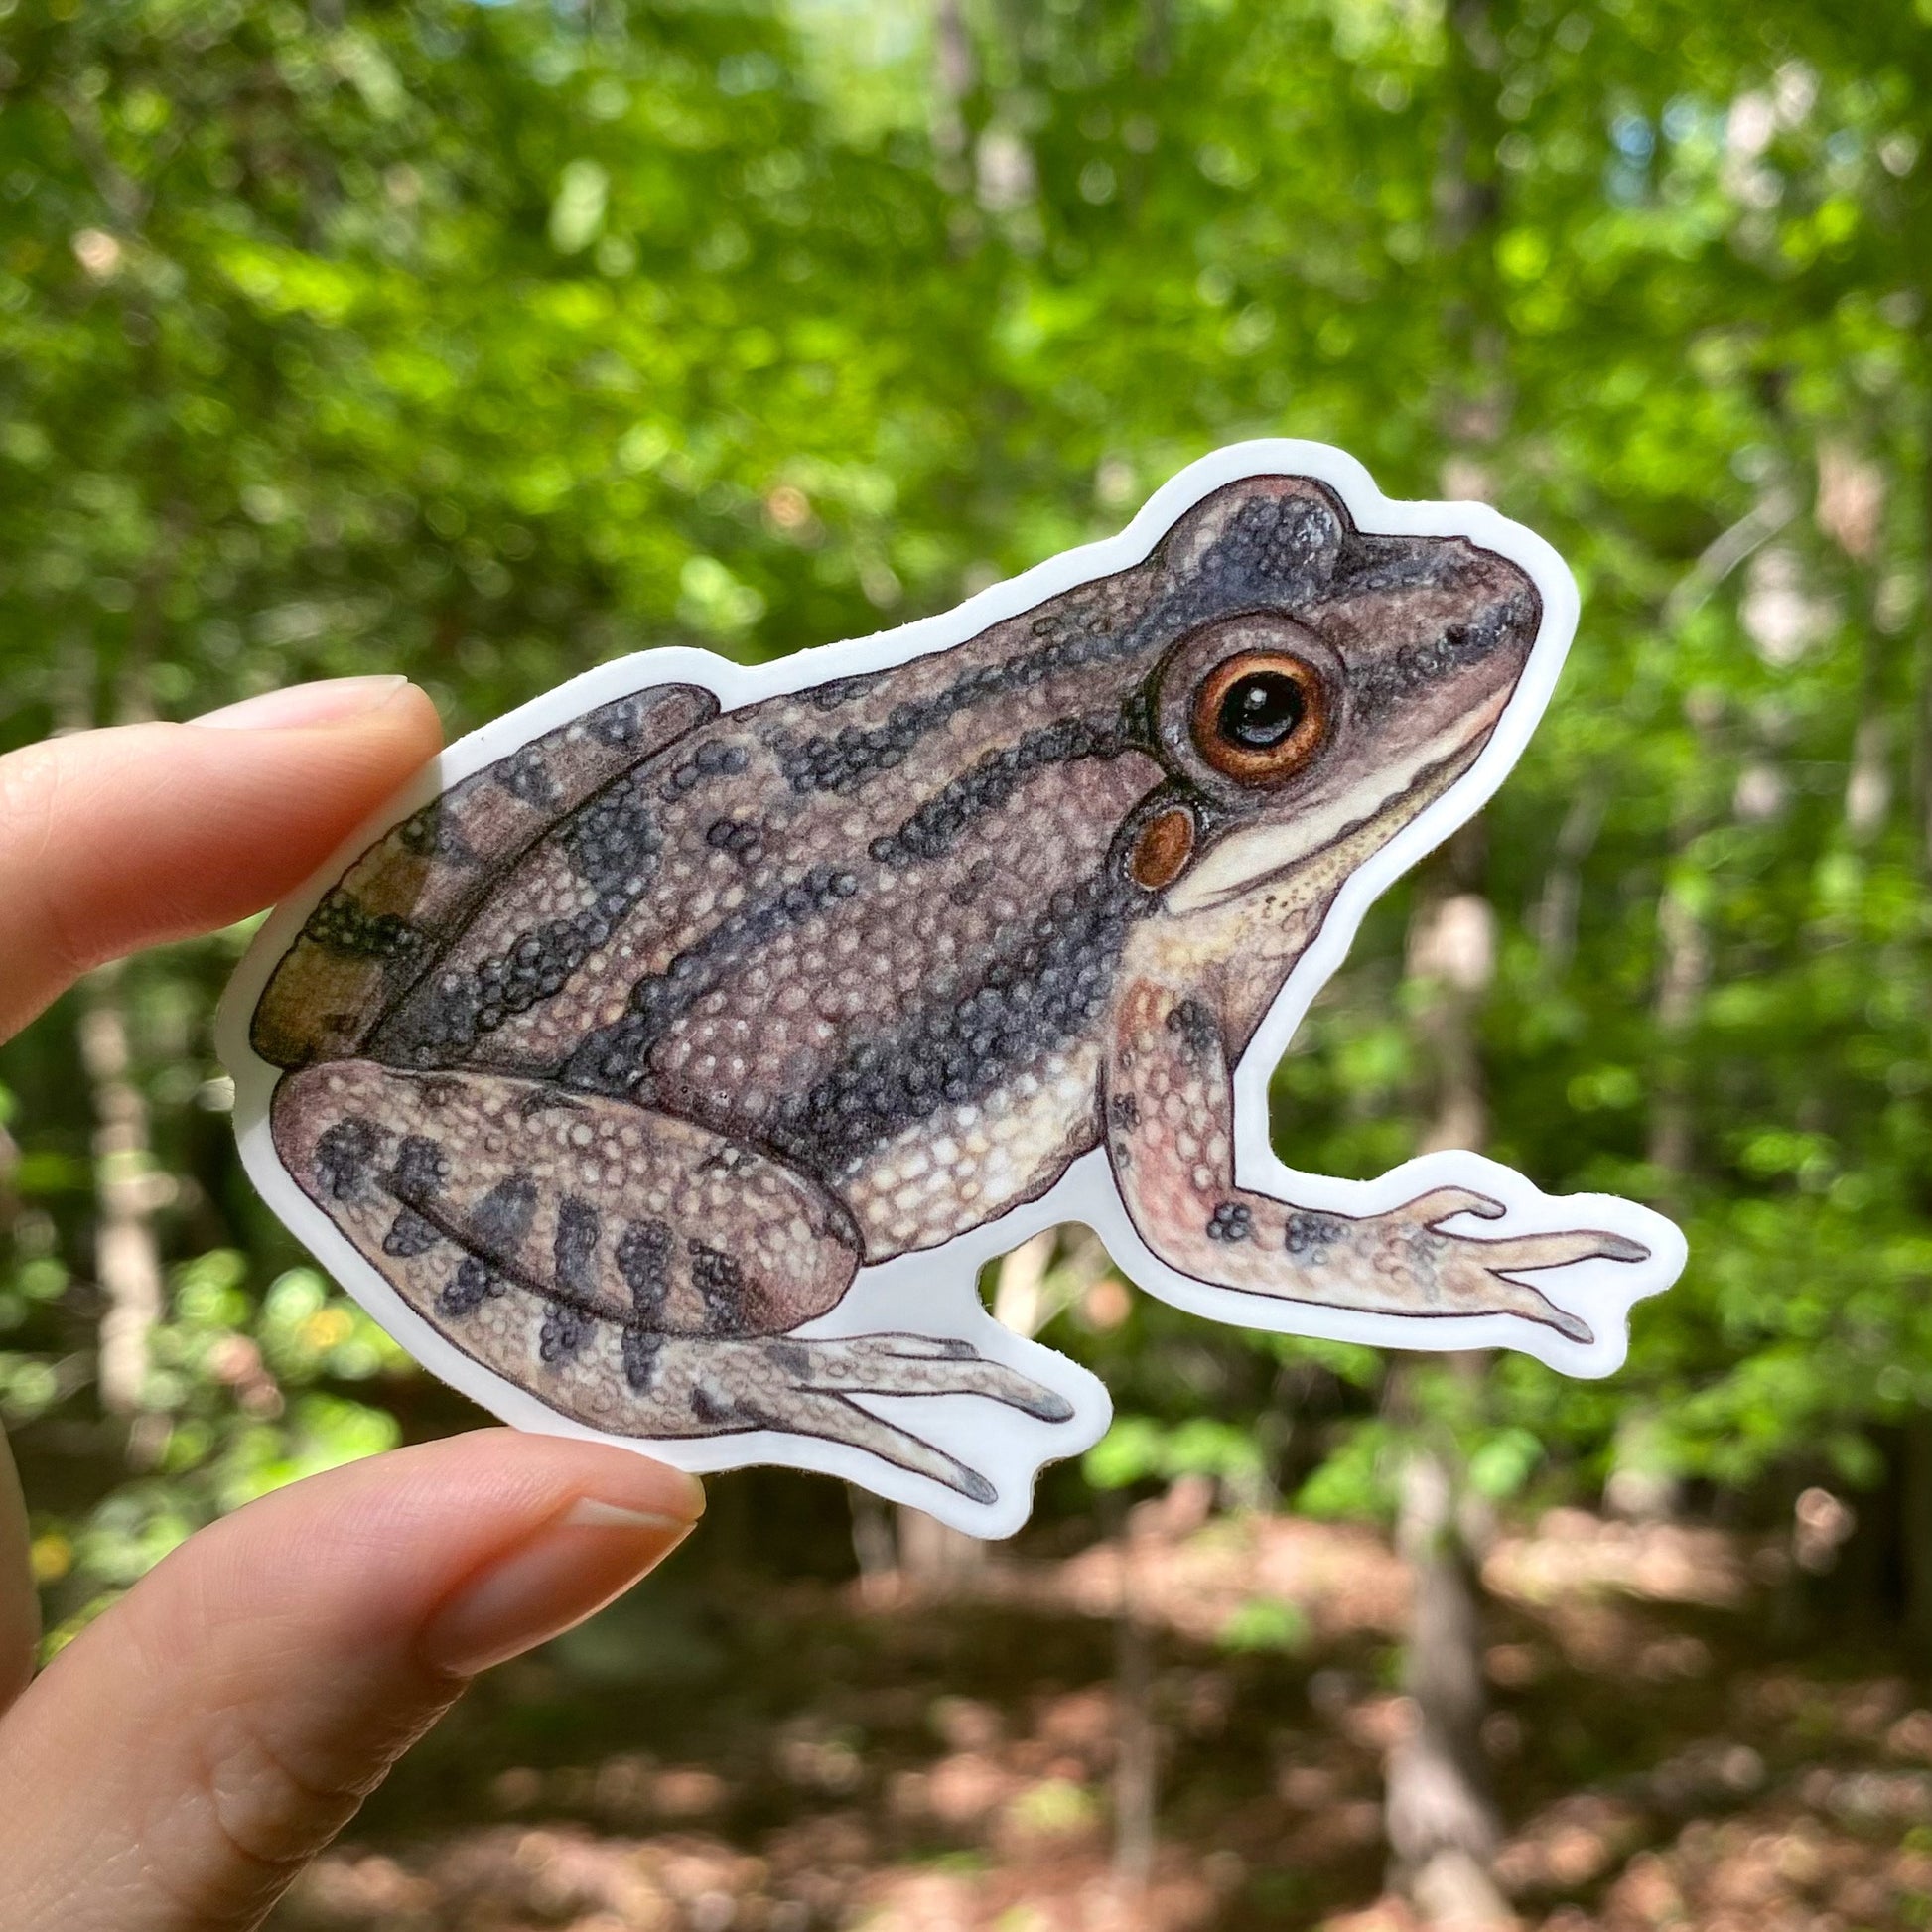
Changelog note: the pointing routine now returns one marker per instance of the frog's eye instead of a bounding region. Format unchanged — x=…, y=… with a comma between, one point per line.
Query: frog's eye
x=1259, y=716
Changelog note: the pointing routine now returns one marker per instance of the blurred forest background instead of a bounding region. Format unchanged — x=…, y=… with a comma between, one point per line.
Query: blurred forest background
x=489, y=343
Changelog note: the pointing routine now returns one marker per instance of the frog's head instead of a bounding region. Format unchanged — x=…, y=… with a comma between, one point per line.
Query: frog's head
x=1322, y=688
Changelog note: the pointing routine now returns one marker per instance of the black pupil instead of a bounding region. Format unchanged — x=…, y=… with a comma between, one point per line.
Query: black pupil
x=1261, y=710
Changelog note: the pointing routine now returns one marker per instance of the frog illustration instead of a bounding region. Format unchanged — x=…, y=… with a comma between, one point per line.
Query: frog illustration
x=622, y=1058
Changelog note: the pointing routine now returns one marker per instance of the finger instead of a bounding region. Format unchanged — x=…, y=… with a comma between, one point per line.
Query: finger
x=1558, y=1250
x=115, y=839
x=1441, y=1202
x=175, y=1765
x=20, y=1611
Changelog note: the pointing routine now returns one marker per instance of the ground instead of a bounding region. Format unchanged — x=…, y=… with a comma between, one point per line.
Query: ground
x=921, y=1755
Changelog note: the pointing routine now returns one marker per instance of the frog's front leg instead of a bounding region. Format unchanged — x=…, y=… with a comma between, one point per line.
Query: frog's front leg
x=1170, y=1121
x=631, y=1270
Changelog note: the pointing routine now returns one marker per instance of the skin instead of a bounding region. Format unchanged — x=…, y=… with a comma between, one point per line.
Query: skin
x=179, y=1763
x=620, y=1061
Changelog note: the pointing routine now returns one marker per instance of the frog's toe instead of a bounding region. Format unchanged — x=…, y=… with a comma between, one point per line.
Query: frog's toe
x=1519, y=1298
x=1443, y=1203
x=835, y=1418
x=907, y=1364
x=1560, y=1250
x=1573, y=1327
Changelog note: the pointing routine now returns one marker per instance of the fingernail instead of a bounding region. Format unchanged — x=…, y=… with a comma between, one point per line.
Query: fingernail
x=573, y=1565
x=326, y=702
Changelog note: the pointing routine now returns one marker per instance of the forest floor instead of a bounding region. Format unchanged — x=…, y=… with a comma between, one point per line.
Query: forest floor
x=922, y=1756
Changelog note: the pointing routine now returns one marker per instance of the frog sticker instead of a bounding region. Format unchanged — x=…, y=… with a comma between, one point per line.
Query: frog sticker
x=667, y=1065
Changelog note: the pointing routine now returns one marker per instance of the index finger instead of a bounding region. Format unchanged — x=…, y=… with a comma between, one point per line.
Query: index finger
x=111, y=840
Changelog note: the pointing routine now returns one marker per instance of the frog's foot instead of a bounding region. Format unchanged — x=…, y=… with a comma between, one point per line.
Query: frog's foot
x=805, y=1387
x=1405, y=1263
x=1170, y=1126
x=629, y=1269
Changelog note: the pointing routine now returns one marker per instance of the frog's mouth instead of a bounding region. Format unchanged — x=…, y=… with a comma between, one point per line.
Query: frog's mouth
x=1334, y=829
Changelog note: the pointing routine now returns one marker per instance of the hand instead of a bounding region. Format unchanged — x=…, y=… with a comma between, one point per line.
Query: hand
x=184, y=1758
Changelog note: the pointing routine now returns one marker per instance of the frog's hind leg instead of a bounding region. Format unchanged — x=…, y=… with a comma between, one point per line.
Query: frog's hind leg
x=629, y=1270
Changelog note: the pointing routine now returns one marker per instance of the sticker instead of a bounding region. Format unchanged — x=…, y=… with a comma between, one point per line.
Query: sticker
x=666, y=1064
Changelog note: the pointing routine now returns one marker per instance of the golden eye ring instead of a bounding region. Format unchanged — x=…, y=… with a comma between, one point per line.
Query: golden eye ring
x=1260, y=716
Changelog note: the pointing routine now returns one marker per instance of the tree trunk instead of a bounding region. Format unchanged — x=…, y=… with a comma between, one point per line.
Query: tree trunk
x=127, y=1190
x=1438, y=1813
x=1441, y=1817
x=1136, y=1764
x=934, y=1554
x=1453, y=956
x=955, y=75
x=1915, y=1487
x=1020, y=1296
x=873, y=1546
x=1683, y=973
x=1683, y=978
x=1555, y=921
x=1915, y=1509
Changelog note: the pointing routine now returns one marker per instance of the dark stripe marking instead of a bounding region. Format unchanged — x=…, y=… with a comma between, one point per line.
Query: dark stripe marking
x=1505, y=622
x=342, y=924
x=644, y=1261
x=525, y=775
x=566, y=1329
x=612, y=1059
x=421, y=1172
x=614, y=845
x=720, y=1283
x=573, y=1251
x=1043, y=990
x=1275, y=550
x=501, y=1220
x=345, y=1153
x=468, y=1288
x=410, y=1235
x=939, y=823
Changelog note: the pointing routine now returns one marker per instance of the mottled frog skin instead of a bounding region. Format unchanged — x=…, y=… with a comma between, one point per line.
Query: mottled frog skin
x=619, y=1059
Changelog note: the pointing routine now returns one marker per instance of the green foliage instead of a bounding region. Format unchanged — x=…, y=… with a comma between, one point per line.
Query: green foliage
x=243, y=1396
x=487, y=344
x=1502, y=1461
x=1355, y=1479
x=1138, y=1448
x=1265, y=1623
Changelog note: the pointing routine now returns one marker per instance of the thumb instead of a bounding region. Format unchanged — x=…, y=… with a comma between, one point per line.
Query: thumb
x=180, y=1761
